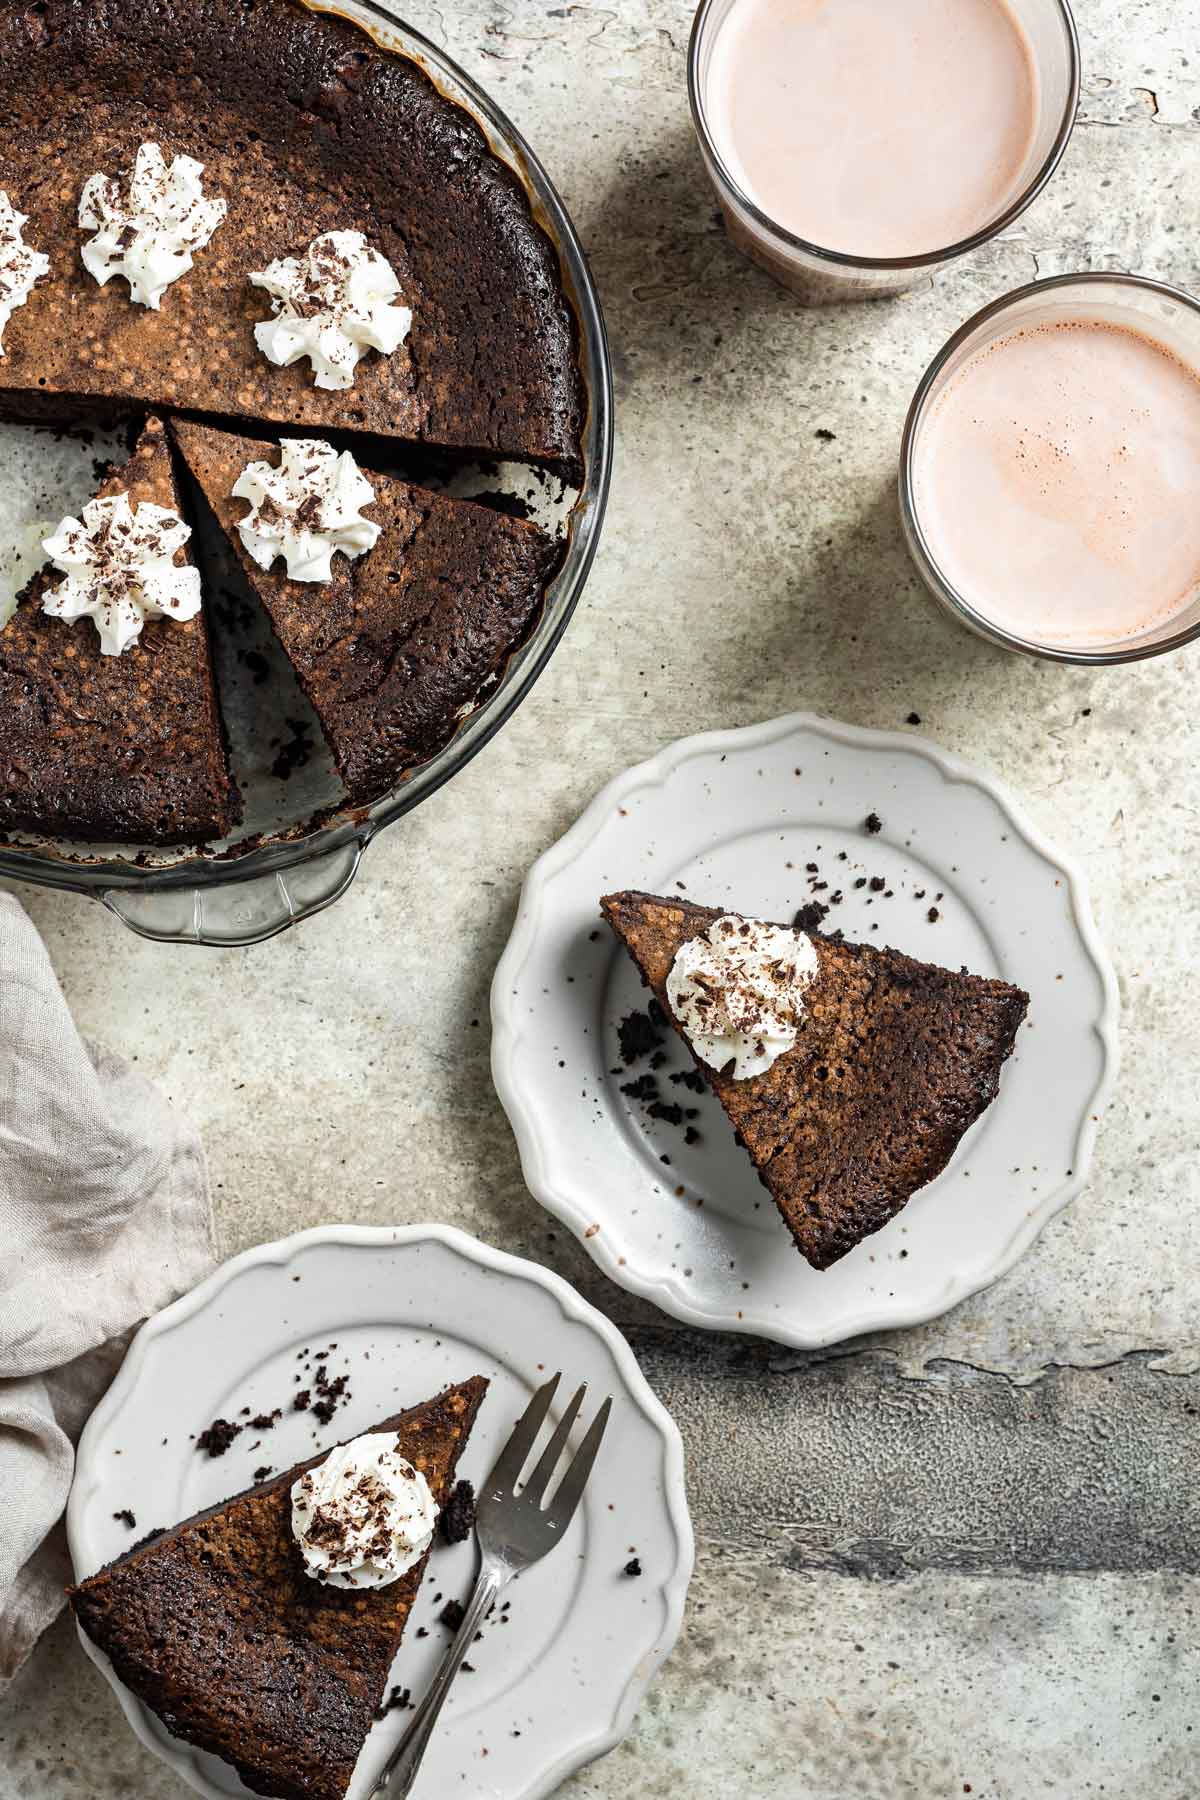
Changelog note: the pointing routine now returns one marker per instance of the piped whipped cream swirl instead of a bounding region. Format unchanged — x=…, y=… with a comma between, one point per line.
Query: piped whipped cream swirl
x=306, y=509
x=119, y=563
x=332, y=304
x=738, y=992
x=364, y=1516
x=149, y=222
x=20, y=265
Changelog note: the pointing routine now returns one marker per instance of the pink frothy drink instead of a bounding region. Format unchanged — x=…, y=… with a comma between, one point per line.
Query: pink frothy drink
x=876, y=128
x=843, y=135
x=1051, y=474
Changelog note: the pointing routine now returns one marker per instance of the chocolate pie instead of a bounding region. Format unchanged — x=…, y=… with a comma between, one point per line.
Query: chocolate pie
x=303, y=126
x=893, y=1061
x=251, y=211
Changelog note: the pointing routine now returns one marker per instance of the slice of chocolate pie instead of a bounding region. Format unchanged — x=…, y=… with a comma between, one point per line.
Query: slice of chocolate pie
x=223, y=1629
x=850, y=1073
x=400, y=614
x=109, y=723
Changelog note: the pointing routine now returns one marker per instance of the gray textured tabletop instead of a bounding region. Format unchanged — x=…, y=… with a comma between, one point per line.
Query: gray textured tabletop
x=959, y=1559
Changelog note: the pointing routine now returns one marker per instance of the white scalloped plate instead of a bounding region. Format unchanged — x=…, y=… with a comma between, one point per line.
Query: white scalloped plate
x=411, y=1309
x=733, y=818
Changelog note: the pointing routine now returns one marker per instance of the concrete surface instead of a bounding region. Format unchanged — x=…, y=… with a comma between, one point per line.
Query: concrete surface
x=965, y=1559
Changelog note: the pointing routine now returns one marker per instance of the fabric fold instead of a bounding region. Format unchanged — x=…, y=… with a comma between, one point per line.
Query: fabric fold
x=105, y=1216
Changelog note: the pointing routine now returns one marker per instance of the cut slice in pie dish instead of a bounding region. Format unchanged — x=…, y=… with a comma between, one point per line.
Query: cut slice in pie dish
x=400, y=643
x=892, y=1062
x=125, y=747
x=218, y=1628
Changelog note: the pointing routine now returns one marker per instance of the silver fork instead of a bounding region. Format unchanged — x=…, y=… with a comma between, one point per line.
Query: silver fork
x=515, y=1531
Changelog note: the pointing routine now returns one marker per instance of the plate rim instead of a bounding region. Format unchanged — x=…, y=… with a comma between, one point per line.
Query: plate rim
x=280, y=1251
x=532, y=1145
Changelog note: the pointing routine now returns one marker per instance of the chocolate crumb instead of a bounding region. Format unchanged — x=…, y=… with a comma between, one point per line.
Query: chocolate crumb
x=638, y=1036
x=633, y=1567
x=877, y=884
x=873, y=824
x=642, y=1087
x=691, y=1079
x=261, y=1474
x=933, y=915
x=452, y=1615
x=913, y=719
x=330, y=1394
x=125, y=1517
x=809, y=917
x=691, y=1135
x=397, y=1698
x=302, y=1400
x=216, y=1438
x=458, y=1514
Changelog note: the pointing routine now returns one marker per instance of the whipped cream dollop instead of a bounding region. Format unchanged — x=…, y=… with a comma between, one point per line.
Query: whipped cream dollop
x=738, y=990
x=149, y=222
x=332, y=304
x=305, y=509
x=20, y=265
x=363, y=1516
x=119, y=563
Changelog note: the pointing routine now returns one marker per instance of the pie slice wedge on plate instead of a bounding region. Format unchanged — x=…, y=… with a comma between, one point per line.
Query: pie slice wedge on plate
x=217, y=1627
x=894, y=1061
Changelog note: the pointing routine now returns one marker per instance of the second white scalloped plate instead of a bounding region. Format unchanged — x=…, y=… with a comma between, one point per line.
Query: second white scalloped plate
x=735, y=818
x=408, y=1310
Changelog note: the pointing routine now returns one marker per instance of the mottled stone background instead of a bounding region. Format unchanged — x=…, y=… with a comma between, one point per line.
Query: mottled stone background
x=962, y=1559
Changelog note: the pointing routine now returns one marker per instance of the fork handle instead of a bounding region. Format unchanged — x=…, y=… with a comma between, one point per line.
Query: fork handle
x=400, y=1770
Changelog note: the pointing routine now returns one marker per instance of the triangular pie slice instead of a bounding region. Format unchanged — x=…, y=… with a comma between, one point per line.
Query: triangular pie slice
x=403, y=640
x=895, y=1060
x=218, y=1629
x=124, y=749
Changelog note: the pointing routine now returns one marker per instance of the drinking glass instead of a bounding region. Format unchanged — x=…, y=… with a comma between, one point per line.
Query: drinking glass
x=1164, y=314
x=815, y=274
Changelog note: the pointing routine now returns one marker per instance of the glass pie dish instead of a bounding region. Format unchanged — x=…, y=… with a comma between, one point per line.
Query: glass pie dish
x=300, y=843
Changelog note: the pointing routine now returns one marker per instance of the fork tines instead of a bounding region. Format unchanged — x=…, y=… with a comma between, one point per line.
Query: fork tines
x=502, y=1483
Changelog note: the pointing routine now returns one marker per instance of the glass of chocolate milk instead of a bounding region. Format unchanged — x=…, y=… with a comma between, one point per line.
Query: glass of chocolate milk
x=1050, y=470
x=858, y=145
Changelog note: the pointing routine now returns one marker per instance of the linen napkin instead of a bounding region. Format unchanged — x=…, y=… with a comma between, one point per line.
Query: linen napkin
x=105, y=1215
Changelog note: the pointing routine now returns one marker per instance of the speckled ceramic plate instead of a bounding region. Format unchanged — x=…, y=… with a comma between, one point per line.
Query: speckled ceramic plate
x=765, y=821
x=409, y=1310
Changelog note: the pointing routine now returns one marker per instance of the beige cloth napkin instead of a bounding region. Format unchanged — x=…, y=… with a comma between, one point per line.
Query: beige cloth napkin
x=105, y=1215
